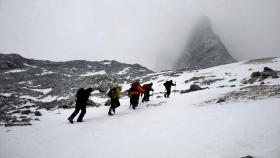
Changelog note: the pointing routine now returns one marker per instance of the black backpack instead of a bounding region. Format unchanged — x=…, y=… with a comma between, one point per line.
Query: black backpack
x=79, y=93
x=110, y=93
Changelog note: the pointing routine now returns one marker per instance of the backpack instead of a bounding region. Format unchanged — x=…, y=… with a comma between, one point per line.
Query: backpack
x=110, y=93
x=79, y=93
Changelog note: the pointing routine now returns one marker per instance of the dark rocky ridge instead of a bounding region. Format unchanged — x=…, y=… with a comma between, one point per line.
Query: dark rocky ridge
x=205, y=49
x=28, y=83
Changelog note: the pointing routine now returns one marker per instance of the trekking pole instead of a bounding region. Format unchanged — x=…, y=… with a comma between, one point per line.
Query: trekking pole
x=175, y=89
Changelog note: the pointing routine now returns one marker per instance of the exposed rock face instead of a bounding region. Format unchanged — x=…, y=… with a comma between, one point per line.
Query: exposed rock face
x=260, y=76
x=26, y=83
x=204, y=49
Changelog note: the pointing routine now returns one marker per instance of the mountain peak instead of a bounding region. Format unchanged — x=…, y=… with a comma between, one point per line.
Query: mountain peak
x=204, y=48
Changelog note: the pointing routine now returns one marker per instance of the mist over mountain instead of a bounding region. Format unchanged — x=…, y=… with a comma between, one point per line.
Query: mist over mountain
x=204, y=48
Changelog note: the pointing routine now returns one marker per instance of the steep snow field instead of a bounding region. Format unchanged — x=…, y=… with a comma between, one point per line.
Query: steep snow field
x=179, y=127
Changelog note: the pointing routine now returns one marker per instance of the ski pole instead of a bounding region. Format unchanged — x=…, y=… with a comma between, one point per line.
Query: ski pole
x=175, y=89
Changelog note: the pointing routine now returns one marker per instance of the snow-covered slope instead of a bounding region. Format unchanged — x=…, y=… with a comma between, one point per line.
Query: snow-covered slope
x=184, y=125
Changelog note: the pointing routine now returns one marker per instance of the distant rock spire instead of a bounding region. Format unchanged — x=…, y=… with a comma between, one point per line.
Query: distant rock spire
x=204, y=48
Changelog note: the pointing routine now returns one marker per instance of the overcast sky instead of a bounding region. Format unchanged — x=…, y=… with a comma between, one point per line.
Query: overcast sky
x=148, y=32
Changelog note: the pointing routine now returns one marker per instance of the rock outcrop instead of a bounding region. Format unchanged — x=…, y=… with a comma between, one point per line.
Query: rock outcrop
x=204, y=49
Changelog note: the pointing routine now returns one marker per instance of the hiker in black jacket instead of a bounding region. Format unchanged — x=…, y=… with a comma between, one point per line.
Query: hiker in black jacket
x=81, y=102
x=168, y=85
x=147, y=88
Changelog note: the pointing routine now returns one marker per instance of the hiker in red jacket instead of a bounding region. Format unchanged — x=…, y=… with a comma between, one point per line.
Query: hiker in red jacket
x=134, y=93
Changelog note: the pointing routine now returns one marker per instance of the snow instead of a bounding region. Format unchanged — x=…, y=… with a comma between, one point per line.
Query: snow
x=124, y=71
x=44, y=91
x=178, y=127
x=106, y=62
x=6, y=94
x=15, y=71
x=47, y=72
x=94, y=73
x=30, y=65
x=182, y=127
x=29, y=97
x=48, y=98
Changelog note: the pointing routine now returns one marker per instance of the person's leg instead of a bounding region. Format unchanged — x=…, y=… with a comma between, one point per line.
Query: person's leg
x=137, y=96
x=133, y=101
x=82, y=114
x=165, y=94
x=168, y=93
x=116, y=104
x=144, y=98
x=113, y=100
x=77, y=109
x=111, y=107
x=148, y=97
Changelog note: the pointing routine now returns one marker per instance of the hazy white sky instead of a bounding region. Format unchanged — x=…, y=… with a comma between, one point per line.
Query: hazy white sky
x=148, y=32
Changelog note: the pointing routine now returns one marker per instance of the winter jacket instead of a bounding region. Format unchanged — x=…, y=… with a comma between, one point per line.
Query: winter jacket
x=147, y=87
x=136, y=90
x=168, y=84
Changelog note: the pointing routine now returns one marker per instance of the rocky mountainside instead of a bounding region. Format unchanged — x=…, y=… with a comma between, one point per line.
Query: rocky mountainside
x=27, y=83
x=204, y=49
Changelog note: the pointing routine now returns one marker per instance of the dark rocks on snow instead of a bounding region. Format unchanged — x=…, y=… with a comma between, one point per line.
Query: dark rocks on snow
x=260, y=76
x=26, y=112
x=248, y=156
x=108, y=102
x=252, y=92
x=232, y=80
x=267, y=69
x=221, y=100
x=38, y=113
x=195, y=79
x=192, y=88
x=25, y=120
x=255, y=74
x=208, y=82
x=17, y=124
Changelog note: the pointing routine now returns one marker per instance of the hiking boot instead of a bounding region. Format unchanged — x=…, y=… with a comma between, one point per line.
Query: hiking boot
x=70, y=120
x=109, y=113
x=80, y=121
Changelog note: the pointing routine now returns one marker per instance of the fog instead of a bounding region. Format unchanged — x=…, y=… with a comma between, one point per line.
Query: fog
x=149, y=32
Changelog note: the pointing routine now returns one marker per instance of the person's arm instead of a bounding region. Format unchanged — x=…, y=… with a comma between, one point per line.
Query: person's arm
x=142, y=90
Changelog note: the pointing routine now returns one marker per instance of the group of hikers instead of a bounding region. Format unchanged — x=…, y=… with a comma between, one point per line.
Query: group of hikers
x=135, y=91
